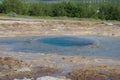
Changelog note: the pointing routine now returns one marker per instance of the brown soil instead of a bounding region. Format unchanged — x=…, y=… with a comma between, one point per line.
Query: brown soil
x=88, y=74
x=33, y=27
x=9, y=66
x=8, y=72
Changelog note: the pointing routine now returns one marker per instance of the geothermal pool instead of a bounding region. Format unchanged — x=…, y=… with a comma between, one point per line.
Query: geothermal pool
x=97, y=46
x=67, y=41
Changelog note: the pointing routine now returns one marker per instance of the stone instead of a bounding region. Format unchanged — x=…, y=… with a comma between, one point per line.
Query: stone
x=23, y=79
x=109, y=24
x=23, y=69
x=50, y=78
x=44, y=78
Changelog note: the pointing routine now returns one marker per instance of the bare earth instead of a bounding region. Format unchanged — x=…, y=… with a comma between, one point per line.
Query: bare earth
x=68, y=66
x=34, y=27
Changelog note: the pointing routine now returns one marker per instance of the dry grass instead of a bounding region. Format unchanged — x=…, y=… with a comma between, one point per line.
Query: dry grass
x=95, y=73
x=42, y=70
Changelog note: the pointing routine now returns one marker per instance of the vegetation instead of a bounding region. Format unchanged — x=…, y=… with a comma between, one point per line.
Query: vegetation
x=103, y=10
x=109, y=12
x=94, y=75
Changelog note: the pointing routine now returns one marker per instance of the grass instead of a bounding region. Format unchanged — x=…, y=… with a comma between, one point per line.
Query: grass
x=60, y=18
x=56, y=18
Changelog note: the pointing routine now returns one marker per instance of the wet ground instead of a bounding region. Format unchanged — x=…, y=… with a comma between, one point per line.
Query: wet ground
x=94, y=46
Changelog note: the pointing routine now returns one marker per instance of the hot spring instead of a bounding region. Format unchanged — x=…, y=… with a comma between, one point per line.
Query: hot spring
x=67, y=41
x=100, y=46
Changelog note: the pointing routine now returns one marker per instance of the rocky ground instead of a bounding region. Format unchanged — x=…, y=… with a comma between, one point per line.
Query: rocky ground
x=64, y=68
x=36, y=27
x=40, y=66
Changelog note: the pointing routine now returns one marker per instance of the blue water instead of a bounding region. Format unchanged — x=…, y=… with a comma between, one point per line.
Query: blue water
x=67, y=41
x=64, y=45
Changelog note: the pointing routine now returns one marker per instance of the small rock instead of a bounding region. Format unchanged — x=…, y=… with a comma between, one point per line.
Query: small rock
x=50, y=78
x=22, y=79
x=109, y=24
x=23, y=69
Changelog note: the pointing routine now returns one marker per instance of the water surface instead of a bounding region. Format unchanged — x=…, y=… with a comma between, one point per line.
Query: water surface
x=67, y=41
x=64, y=45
